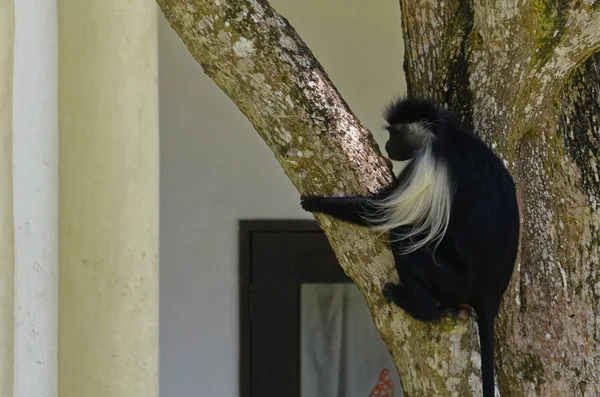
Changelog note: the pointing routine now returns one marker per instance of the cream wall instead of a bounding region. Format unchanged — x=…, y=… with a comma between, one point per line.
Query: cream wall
x=6, y=199
x=215, y=170
x=101, y=203
x=109, y=199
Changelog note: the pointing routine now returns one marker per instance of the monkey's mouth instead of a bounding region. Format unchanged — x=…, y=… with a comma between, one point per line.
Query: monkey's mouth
x=391, y=157
x=389, y=162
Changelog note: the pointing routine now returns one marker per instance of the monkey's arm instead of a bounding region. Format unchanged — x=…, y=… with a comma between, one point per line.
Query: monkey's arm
x=353, y=209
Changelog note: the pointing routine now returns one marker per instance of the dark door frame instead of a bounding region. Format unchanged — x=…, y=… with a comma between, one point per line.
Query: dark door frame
x=276, y=257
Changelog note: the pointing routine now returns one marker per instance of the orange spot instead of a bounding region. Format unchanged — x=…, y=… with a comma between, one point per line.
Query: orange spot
x=384, y=386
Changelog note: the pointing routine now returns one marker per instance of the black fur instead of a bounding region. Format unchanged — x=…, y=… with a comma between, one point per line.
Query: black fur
x=474, y=261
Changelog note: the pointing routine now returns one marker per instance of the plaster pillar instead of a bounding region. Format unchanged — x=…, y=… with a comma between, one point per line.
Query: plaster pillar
x=6, y=198
x=109, y=170
x=35, y=192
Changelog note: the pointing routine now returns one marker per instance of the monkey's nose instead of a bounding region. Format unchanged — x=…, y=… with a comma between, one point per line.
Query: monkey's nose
x=388, y=147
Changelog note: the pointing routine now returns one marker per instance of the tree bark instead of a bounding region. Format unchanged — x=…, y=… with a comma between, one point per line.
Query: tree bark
x=525, y=75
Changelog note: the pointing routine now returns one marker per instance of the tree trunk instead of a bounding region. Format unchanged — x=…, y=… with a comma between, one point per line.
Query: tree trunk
x=525, y=75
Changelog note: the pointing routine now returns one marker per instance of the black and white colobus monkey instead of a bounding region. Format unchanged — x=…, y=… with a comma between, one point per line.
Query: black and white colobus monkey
x=453, y=219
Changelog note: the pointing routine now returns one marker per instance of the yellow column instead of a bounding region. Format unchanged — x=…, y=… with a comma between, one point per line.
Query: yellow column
x=108, y=100
x=6, y=199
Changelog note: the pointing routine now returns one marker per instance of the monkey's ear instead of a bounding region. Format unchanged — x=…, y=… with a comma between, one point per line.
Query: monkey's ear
x=416, y=132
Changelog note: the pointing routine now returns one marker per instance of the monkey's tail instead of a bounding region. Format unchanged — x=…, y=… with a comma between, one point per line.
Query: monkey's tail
x=485, y=322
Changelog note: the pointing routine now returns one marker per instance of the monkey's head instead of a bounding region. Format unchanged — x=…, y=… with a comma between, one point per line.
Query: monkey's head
x=412, y=123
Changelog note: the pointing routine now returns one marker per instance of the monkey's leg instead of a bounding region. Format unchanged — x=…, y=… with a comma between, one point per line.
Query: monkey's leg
x=417, y=301
x=451, y=285
x=353, y=209
x=415, y=294
x=430, y=289
x=395, y=293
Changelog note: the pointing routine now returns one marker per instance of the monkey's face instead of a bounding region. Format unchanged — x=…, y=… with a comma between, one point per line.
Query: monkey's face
x=406, y=139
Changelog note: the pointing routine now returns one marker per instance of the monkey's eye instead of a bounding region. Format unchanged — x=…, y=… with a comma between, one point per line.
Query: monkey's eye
x=395, y=129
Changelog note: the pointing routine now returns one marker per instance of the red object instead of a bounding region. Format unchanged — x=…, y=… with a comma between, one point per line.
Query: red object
x=384, y=387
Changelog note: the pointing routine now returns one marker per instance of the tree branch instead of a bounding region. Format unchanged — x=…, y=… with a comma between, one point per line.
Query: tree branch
x=534, y=86
x=435, y=60
x=580, y=40
x=256, y=57
x=259, y=61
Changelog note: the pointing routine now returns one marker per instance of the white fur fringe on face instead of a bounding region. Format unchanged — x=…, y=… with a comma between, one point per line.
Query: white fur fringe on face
x=423, y=201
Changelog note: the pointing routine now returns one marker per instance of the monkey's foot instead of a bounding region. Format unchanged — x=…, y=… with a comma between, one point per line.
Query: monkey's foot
x=452, y=312
x=391, y=292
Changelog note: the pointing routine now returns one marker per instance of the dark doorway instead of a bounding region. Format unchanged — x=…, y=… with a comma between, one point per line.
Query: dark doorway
x=279, y=260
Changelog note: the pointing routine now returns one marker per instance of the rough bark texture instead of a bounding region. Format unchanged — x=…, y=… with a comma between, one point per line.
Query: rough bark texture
x=525, y=74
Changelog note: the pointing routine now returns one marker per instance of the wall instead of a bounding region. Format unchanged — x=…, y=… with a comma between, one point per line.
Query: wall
x=35, y=198
x=109, y=199
x=7, y=25
x=215, y=170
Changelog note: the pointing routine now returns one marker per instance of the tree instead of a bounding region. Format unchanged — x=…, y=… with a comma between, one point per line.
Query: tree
x=526, y=74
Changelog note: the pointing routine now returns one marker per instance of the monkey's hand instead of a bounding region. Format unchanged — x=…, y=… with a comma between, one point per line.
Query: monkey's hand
x=312, y=203
x=349, y=208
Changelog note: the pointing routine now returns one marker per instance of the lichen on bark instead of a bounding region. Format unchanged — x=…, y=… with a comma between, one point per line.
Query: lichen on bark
x=524, y=73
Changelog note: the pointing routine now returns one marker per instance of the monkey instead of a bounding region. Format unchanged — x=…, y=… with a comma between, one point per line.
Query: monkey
x=452, y=218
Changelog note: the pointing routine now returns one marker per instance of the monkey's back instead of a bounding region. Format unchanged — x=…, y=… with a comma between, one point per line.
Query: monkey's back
x=484, y=225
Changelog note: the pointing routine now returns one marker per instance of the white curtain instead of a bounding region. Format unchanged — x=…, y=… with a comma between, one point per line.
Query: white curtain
x=342, y=354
